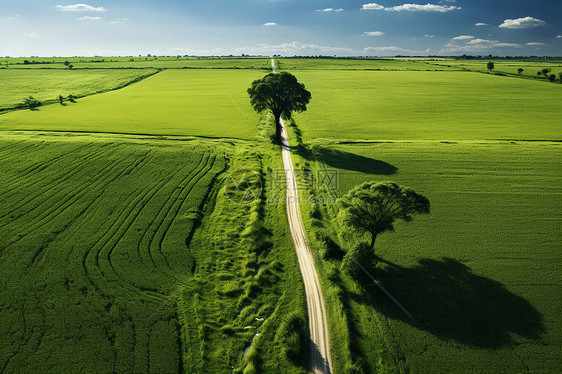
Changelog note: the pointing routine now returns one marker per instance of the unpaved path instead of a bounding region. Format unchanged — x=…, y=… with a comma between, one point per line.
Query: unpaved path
x=320, y=360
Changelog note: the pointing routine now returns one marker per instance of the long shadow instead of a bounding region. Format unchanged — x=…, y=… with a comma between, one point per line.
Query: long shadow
x=346, y=160
x=451, y=302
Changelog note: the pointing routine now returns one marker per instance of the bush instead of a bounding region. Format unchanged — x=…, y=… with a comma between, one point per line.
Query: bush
x=292, y=336
x=30, y=103
x=357, y=260
x=552, y=77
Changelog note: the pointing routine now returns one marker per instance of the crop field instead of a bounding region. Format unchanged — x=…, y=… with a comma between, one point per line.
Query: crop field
x=16, y=85
x=361, y=64
x=93, y=251
x=127, y=243
x=186, y=102
x=138, y=63
x=480, y=273
x=401, y=105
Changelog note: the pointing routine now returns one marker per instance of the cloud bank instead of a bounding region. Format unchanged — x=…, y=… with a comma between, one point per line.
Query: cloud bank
x=81, y=8
x=522, y=23
x=411, y=7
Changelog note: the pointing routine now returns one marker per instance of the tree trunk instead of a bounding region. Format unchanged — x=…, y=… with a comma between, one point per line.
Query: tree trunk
x=277, y=127
x=373, y=238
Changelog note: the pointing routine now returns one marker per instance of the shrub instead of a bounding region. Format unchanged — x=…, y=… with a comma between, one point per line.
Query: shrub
x=552, y=77
x=30, y=103
x=357, y=260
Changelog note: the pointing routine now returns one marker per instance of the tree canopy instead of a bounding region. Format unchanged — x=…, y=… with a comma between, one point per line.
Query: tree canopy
x=281, y=94
x=372, y=208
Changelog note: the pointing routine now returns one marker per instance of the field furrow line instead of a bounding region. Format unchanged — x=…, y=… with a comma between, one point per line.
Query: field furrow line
x=141, y=244
x=186, y=181
x=33, y=169
x=33, y=145
x=72, y=194
x=25, y=200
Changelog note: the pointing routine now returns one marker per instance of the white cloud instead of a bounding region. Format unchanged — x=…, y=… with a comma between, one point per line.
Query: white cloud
x=80, y=8
x=429, y=36
x=476, y=45
x=535, y=43
x=371, y=6
x=270, y=24
x=12, y=18
x=30, y=35
x=522, y=23
x=88, y=18
x=119, y=20
x=558, y=36
x=411, y=7
x=463, y=37
x=480, y=24
x=374, y=33
x=422, y=8
x=329, y=10
x=296, y=48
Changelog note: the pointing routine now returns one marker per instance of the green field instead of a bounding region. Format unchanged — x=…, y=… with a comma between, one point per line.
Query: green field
x=187, y=102
x=124, y=249
x=46, y=86
x=401, y=105
x=120, y=259
x=137, y=63
x=480, y=274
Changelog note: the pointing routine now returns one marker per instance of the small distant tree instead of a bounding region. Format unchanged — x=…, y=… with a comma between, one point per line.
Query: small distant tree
x=30, y=103
x=66, y=63
x=26, y=62
x=70, y=66
x=72, y=98
x=545, y=72
x=520, y=70
x=490, y=66
x=61, y=99
x=552, y=77
x=372, y=208
x=539, y=73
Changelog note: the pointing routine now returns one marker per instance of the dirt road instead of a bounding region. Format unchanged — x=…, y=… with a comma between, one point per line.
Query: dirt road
x=320, y=360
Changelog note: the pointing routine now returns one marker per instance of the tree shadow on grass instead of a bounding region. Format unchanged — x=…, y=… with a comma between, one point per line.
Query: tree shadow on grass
x=346, y=161
x=451, y=302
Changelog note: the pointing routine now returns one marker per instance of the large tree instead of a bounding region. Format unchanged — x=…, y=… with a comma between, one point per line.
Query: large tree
x=281, y=94
x=372, y=208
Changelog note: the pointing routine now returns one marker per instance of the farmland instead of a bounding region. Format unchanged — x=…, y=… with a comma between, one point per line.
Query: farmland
x=479, y=273
x=126, y=244
x=175, y=102
x=110, y=271
x=46, y=86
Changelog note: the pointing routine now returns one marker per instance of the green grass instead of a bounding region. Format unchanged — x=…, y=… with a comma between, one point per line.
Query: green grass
x=46, y=86
x=479, y=273
x=137, y=63
x=190, y=102
x=401, y=105
x=125, y=254
x=93, y=250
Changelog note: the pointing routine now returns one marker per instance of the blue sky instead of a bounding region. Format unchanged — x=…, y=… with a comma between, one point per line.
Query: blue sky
x=287, y=27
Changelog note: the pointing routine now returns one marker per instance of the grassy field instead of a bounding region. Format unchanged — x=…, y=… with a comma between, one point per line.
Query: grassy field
x=124, y=249
x=428, y=105
x=46, y=86
x=94, y=242
x=479, y=274
x=362, y=64
x=187, y=102
x=125, y=254
x=137, y=63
